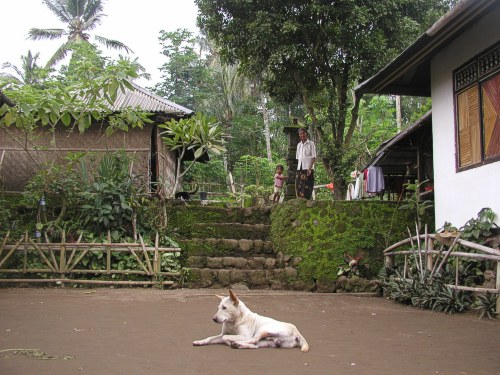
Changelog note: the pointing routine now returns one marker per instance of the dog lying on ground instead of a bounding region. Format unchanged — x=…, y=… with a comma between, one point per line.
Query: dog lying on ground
x=244, y=329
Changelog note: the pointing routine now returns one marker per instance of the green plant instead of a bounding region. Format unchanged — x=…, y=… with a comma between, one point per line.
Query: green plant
x=198, y=134
x=108, y=200
x=479, y=229
x=451, y=301
x=485, y=305
x=414, y=203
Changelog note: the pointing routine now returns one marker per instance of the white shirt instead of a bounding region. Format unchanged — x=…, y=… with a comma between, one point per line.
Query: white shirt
x=306, y=152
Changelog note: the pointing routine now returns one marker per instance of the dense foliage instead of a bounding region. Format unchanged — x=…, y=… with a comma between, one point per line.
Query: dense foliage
x=317, y=51
x=320, y=233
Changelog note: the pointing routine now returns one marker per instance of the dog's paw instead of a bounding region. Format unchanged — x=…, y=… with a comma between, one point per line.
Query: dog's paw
x=198, y=343
x=235, y=345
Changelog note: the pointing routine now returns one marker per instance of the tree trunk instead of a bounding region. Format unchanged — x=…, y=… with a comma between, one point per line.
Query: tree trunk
x=265, y=115
x=398, y=113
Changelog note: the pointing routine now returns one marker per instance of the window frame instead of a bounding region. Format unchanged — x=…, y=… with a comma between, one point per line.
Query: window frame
x=481, y=68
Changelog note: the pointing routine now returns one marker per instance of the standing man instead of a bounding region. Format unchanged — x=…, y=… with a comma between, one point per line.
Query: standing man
x=306, y=157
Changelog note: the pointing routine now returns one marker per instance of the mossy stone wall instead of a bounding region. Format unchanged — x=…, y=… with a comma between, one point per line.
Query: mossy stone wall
x=319, y=232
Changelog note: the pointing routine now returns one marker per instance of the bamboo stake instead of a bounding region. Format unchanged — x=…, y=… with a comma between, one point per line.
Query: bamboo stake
x=446, y=255
x=157, y=264
x=419, y=250
x=51, y=253
x=146, y=256
x=497, y=284
x=46, y=260
x=437, y=259
x=429, y=259
x=413, y=248
x=73, y=252
x=108, y=254
x=25, y=261
x=405, y=266
x=11, y=251
x=3, y=243
x=62, y=255
x=78, y=259
x=139, y=261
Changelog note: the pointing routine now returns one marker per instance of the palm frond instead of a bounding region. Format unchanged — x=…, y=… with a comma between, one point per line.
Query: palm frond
x=58, y=55
x=39, y=34
x=93, y=11
x=59, y=9
x=110, y=43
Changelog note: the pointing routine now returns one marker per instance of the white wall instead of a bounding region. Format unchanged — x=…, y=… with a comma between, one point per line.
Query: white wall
x=460, y=196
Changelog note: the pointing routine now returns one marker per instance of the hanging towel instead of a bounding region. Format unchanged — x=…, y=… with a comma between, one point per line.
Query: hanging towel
x=358, y=187
x=375, y=180
x=350, y=192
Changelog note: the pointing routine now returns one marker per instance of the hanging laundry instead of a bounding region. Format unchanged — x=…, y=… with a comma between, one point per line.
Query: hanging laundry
x=358, y=187
x=350, y=192
x=375, y=182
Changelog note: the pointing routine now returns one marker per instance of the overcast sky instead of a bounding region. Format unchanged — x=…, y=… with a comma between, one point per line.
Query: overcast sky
x=136, y=24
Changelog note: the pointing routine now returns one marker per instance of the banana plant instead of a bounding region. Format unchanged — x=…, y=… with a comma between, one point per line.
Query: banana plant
x=197, y=134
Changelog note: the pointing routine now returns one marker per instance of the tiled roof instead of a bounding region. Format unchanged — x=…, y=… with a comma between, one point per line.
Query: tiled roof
x=147, y=101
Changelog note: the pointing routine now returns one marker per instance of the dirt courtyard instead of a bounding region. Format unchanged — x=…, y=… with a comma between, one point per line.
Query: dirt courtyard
x=150, y=332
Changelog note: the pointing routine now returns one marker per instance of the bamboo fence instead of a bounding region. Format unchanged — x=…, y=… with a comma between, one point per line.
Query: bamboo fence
x=62, y=262
x=434, y=260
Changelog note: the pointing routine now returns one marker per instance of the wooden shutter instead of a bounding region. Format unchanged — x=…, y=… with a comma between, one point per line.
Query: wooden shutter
x=469, y=134
x=491, y=116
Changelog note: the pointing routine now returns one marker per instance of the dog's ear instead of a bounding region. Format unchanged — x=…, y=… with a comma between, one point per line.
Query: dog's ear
x=221, y=297
x=233, y=297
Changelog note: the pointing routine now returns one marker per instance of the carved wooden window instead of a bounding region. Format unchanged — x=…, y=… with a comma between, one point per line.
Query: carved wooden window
x=477, y=106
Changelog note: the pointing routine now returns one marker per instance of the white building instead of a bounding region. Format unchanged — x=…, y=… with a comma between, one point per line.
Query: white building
x=457, y=63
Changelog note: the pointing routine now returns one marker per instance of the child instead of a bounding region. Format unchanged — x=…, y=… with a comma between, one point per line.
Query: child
x=278, y=183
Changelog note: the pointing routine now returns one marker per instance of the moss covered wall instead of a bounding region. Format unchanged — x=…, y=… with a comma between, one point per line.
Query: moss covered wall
x=320, y=232
x=314, y=233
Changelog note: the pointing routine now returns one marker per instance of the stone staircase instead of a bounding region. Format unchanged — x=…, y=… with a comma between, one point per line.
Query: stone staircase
x=238, y=254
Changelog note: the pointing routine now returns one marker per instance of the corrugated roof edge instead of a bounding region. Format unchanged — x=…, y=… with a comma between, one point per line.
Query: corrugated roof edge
x=391, y=141
x=148, y=101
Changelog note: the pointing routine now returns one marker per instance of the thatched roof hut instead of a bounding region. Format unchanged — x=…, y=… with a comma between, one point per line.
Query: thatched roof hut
x=23, y=154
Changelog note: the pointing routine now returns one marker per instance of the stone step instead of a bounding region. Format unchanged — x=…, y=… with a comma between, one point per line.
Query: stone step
x=242, y=263
x=230, y=230
x=250, y=215
x=226, y=247
x=276, y=279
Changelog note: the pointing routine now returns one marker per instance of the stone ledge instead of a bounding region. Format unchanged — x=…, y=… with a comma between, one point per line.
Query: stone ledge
x=277, y=279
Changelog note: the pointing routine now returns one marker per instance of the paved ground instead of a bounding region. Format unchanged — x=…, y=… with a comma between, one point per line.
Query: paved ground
x=144, y=331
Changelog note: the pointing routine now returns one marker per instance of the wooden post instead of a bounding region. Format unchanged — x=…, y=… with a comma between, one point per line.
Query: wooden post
x=108, y=255
x=498, y=286
x=430, y=260
x=25, y=262
x=3, y=243
x=156, y=262
x=388, y=261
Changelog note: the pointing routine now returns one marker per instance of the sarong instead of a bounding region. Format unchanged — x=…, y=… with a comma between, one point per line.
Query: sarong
x=304, y=184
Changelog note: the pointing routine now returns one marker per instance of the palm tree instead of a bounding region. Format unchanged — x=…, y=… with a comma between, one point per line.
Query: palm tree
x=80, y=16
x=28, y=73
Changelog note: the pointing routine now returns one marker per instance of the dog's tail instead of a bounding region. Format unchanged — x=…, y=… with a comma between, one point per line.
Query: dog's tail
x=304, y=346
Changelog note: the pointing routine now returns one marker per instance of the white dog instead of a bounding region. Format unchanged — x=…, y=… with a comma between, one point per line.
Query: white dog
x=244, y=329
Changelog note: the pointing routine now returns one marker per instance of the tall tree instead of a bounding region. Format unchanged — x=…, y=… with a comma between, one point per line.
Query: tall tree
x=317, y=50
x=185, y=76
x=80, y=16
x=28, y=73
